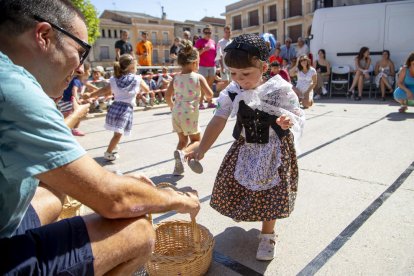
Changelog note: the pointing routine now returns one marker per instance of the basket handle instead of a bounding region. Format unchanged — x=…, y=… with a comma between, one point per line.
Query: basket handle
x=194, y=225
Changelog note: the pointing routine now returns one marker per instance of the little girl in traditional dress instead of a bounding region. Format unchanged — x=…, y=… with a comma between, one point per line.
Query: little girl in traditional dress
x=258, y=178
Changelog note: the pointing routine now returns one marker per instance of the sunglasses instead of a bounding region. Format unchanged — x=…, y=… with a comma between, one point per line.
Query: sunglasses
x=86, y=47
x=207, y=32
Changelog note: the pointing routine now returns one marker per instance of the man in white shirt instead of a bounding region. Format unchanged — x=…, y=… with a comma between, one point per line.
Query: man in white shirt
x=301, y=48
x=222, y=43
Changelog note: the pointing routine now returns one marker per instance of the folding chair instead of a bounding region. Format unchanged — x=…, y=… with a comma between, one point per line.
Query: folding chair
x=340, y=76
x=370, y=81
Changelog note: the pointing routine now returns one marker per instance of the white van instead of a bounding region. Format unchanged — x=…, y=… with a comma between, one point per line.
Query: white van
x=342, y=31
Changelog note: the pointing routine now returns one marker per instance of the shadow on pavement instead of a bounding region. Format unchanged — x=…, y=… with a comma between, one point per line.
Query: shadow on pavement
x=240, y=246
x=167, y=178
x=396, y=116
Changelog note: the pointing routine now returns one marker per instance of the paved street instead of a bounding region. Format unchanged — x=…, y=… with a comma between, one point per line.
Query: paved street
x=354, y=210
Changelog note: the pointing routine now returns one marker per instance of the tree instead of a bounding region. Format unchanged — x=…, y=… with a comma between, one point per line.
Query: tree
x=91, y=16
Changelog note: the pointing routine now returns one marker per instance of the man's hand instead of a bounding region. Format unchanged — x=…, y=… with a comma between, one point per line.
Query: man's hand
x=284, y=122
x=190, y=202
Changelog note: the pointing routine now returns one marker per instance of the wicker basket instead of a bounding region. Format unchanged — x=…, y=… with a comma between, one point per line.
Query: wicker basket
x=71, y=208
x=181, y=248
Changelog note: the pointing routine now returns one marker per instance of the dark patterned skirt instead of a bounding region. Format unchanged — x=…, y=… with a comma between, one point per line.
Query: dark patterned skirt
x=235, y=201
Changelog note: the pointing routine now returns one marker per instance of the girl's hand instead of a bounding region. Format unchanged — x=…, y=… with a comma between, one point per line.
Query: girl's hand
x=80, y=110
x=86, y=95
x=284, y=122
x=195, y=154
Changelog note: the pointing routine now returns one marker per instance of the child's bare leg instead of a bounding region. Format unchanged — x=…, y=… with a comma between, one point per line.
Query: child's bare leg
x=182, y=141
x=201, y=98
x=268, y=227
x=114, y=141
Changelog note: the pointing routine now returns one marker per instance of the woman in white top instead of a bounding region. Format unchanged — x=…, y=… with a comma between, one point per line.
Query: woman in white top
x=384, y=73
x=307, y=80
x=362, y=64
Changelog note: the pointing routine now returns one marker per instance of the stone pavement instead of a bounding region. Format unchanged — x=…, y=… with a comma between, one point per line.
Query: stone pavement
x=353, y=212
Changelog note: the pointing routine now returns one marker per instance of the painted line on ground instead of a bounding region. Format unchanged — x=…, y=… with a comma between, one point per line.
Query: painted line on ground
x=322, y=258
x=227, y=261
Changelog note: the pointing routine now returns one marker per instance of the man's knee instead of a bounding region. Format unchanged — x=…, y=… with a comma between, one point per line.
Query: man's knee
x=144, y=229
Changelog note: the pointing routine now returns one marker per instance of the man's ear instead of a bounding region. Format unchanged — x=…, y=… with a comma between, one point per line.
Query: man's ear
x=44, y=35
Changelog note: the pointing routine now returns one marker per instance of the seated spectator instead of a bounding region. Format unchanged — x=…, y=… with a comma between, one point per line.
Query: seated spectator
x=291, y=68
x=384, y=73
x=405, y=90
x=148, y=97
x=72, y=94
x=307, y=81
x=276, y=56
x=323, y=68
x=163, y=81
x=362, y=64
x=276, y=70
x=45, y=162
x=301, y=48
x=285, y=64
x=287, y=51
x=98, y=81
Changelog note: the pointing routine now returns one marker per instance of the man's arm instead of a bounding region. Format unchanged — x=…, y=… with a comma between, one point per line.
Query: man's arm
x=114, y=196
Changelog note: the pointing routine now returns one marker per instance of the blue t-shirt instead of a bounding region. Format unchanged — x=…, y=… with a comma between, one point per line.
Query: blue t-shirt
x=34, y=139
x=67, y=94
x=151, y=84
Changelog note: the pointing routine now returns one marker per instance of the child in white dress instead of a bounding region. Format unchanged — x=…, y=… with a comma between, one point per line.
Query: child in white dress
x=258, y=178
x=186, y=89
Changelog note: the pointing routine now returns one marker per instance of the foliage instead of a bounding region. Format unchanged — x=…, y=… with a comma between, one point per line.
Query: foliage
x=91, y=16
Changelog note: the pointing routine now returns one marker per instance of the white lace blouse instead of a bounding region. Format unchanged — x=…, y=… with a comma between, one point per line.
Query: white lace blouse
x=257, y=164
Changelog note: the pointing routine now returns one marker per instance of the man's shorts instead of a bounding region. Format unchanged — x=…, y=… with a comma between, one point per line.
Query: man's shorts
x=61, y=248
x=207, y=71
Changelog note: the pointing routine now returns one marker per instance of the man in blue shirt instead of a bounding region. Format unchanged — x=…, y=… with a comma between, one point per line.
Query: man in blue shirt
x=42, y=45
x=287, y=51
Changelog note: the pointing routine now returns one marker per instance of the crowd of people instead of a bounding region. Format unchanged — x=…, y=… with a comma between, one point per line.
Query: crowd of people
x=43, y=49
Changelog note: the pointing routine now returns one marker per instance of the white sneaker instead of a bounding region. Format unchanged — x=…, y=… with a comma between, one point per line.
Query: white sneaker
x=316, y=97
x=324, y=91
x=195, y=166
x=111, y=156
x=179, y=160
x=266, y=250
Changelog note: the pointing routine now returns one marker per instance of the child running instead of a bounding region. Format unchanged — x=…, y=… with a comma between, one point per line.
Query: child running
x=71, y=97
x=258, y=178
x=124, y=85
x=186, y=88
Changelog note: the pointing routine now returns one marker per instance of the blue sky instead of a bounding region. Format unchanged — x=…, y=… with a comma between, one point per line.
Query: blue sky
x=180, y=10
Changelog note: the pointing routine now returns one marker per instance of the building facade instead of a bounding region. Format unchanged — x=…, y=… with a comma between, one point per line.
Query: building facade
x=282, y=18
x=161, y=32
